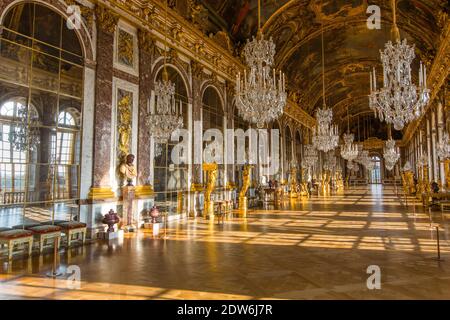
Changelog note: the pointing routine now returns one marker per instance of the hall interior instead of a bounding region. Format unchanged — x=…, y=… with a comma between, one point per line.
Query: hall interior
x=236, y=149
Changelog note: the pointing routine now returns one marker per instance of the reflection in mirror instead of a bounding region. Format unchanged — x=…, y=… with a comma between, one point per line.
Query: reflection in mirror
x=41, y=90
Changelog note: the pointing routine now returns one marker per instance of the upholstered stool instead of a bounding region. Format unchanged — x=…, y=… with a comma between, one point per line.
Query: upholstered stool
x=54, y=223
x=26, y=226
x=1, y=230
x=44, y=233
x=16, y=237
x=73, y=228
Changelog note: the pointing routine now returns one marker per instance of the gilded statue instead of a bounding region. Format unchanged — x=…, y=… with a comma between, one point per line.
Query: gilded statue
x=124, y=124
x=293, y=183
x=125, y=50
x=212, y=177
x=212, y=170
x=245, y=181
x=128, y=170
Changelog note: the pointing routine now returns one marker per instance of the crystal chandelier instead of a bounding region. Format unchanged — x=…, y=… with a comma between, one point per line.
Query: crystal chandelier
x=167, y=116
x=391, y=154
x=350, y=165
x=399, y=101
x=260, y=94
x=310, y=157
x=443, y=148
x=349, y=151
x=25, y=135
x=407, y=167
x=330, y=161
x=325, y=134
x=423, y=160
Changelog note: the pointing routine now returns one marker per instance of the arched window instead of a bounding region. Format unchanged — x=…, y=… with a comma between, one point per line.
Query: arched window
x=66, y=119
x=375, y=175
x=213, y=118
x=170, y=180
x=42, y=63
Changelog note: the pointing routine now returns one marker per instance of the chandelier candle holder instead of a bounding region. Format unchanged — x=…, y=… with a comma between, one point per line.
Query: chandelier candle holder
x=399, y=101
x=167, y=115
x=349, y=150
x=260, y=93
x=310, y=157
x=325, y=134
x=25, y=135
x=391, y=154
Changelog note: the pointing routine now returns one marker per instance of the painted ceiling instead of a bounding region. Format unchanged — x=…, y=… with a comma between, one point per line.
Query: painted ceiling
x=351, y=49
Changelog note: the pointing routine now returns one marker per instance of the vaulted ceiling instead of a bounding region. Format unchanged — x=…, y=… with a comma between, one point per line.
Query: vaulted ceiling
x=351, y=49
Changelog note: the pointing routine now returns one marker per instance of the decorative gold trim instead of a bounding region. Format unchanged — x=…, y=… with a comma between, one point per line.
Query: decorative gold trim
x=106, y=19
x=101, y=193
x=209, y=166
x=197, y=187
x=144, y=191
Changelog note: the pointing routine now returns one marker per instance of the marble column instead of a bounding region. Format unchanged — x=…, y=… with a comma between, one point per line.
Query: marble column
x=106, y=25
x=146, y=47
x=441, y=126
x=196, y=199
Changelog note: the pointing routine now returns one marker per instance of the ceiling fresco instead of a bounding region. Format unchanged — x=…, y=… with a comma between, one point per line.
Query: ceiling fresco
x=351, y=49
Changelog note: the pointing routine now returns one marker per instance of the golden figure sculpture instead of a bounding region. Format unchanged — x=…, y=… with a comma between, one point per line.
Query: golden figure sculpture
x=126, y=48
x=409, y=182
x=447, y=173
x=211, y=169
x=293, y=184
x=243, y=203
x=124, y=123
x=304, y=184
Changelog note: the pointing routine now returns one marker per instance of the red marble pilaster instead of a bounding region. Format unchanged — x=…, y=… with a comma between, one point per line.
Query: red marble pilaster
x=146, y=45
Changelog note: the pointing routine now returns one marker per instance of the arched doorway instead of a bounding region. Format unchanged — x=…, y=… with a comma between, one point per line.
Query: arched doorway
x=213, y=118
x=41, y=99
x=171, y=180
x=375, y=174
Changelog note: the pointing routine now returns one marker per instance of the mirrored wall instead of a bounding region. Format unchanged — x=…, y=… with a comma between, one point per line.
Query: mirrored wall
x=41, y=90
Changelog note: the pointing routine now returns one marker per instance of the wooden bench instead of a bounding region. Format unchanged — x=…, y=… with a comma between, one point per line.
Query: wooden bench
x=47, y=236
x=74, y=231
x=16, y=237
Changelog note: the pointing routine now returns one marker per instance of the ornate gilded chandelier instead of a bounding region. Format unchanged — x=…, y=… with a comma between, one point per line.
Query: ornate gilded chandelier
x=25, y=135
x=443, y=148
x=260, y=94
x=330, y=161
x=167, y=116
x=349, y=151
x=399, y=101
x=310, y=157
x=365, y=160
x=391, y=154
x=325, y=134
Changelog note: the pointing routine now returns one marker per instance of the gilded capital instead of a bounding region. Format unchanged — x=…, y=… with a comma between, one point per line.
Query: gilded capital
x=106, y=18
x=146, y=41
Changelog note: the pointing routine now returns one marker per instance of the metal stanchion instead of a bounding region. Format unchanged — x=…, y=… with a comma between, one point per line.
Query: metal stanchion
x=54, y=273
x=438, y=245
x=165, y=236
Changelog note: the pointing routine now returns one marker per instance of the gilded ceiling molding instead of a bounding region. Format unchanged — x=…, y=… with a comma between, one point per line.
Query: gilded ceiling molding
x=183, y=36
x=436, y=79
x=146, y=41
x=107, y=19
x=298, y=114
